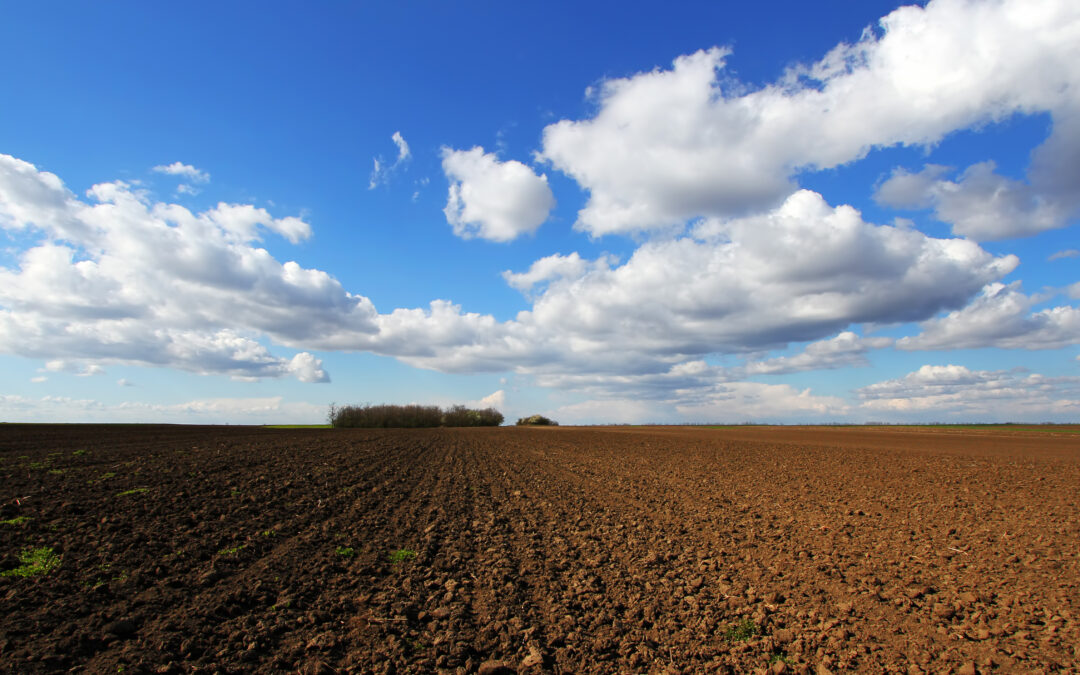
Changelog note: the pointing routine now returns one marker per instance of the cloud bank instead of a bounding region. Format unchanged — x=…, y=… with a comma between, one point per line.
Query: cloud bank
x=670, y=145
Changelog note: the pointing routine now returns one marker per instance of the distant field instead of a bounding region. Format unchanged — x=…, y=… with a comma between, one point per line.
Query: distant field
x=297, y=426
x=1043, y=428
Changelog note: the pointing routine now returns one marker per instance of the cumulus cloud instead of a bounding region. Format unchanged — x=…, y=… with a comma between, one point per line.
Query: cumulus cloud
x=846, y=350
x=980, y=204
x=670, y=145
x=553, y=268
x=800, y=273
x=307, y=368
x=493, y=200
x=1001, y=316
x=496, y=400
x=957, y=391
x=382, y=170
x=753, y=401
x=184, y=170
x=122, y=279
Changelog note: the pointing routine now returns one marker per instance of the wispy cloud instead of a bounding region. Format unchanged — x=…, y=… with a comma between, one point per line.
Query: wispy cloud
x=382, y=171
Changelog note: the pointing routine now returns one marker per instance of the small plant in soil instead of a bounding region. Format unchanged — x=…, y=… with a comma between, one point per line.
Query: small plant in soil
x=56, y=472
x=232, y=551
x=133, y=491
x=268, y=533
x=345, y=551
x=779, y=656
x=742, y=631
x=17, y=520
x=80, y=453
x=35, y=561
x=401, y=555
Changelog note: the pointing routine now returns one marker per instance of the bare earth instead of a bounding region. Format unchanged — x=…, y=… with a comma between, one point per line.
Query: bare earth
x=541, y=550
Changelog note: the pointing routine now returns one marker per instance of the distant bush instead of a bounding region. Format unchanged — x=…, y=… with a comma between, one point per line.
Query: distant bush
x=460, y=416
x=411, y=417
x=536, y=421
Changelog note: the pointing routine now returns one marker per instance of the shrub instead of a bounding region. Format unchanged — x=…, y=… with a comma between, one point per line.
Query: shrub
x=536, y=421
x=460, y=416
x=411, y=417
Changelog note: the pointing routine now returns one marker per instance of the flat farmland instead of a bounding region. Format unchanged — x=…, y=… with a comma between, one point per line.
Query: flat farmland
x=609, y=550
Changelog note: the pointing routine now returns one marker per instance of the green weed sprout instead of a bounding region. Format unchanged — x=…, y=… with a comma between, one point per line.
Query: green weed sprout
x=133, y=491
x=401, y=555
x=35, y=561
x=742, y=631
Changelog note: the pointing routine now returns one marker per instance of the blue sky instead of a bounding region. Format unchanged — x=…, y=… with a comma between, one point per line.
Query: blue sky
x=779, y=212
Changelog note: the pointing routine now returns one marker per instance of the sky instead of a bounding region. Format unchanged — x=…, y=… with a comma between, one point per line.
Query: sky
x=781, y=212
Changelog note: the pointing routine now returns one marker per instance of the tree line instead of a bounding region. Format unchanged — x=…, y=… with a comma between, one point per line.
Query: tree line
x=411, y=416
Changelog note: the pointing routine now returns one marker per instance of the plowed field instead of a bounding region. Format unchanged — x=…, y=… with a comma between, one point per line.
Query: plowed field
x=232, y=549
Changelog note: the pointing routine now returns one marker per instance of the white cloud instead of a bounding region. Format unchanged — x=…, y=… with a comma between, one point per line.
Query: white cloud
x=402, y=146
x=39, y=379
x=956, y=391
x=980, y=204
x=382, y=171
x=307, y=368
x=1061, y=255
x=614, y=411
x=553, y=268
x=32, y=198
x=271, y=410
x=186, y=170
x=377, y=174
x=72, y=368
x=846, y=350
x=496, y=400
x=241, y=221
x=493, y=200
x=720, y=402
x=800, y=273
x=1001, y=317
x=670, y=145
x=123, y=382
x=127, y=280
x=756, y=402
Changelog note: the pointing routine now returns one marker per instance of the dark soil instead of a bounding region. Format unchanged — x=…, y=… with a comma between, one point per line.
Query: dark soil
x=233, y=549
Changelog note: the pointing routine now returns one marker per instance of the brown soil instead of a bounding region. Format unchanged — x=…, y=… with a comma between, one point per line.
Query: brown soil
x=540, y=550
